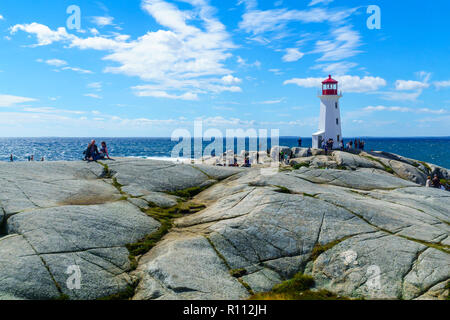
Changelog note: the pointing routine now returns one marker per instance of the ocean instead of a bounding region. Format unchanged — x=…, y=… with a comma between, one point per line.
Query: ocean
x=432, y=150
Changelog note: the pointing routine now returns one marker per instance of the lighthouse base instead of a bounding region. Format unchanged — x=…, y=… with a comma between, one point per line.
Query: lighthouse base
x=317, y=139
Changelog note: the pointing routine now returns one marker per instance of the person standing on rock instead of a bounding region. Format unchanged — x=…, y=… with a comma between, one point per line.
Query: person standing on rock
x=428, y=183
x=300, y=142
x=11, y=158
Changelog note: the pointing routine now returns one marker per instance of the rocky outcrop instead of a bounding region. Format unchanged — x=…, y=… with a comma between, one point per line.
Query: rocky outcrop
x=360, y=224
x=60, y=218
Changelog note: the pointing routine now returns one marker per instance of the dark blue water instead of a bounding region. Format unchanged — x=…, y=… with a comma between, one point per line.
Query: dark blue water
x=433, y=150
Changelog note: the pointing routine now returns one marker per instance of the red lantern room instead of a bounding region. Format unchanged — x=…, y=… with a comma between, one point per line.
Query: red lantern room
x=330, y=87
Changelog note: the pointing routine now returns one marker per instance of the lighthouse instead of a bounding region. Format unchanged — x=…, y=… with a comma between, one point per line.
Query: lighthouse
x=330, y=115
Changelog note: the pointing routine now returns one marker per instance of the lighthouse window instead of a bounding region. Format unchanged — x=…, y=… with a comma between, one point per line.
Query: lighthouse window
x=336, y=105
x=337, y=121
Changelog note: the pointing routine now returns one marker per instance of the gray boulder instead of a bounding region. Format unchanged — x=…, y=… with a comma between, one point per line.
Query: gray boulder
x=275, y=151
x=92, y=238
x=354, y=161
x=300, y=152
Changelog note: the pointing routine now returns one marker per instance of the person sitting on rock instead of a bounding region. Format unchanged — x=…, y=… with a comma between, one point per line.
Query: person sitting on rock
x=104, y=151
x=428, y=183
x=91, y=153
x=436, y=183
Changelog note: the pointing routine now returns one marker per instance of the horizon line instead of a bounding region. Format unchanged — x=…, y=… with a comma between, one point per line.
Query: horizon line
x=168, y=137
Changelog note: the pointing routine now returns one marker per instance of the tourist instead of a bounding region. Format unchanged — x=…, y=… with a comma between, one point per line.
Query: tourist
x=436, y=183
x=42, y=159
x=323, y=144
x=104, y=151
x=300, y=142
x=351, y=144
x=363, y=143
x=11, y=158
x=341, y=145
x=32, y=158
x=308, y=152
x=356, y=144
x=247, y=162
x=91, y=153
x=428, y=183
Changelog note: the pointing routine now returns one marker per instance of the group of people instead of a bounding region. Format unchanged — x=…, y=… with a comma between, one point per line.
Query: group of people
x=29, y=158
x=357, y=144
x=93, y=154
x=352, y=144
x=435, y=183
x=328, y=145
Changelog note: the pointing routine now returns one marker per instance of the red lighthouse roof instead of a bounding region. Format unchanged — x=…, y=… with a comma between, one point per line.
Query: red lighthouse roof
x=330, y=80
x=330, y=87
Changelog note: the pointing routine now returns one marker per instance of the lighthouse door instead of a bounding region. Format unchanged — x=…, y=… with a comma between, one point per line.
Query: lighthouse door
x=320, y=141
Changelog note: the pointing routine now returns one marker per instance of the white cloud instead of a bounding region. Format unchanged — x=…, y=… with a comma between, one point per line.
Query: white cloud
x=271, y=101
x=149, y=91
x=93, y=95
x=95, y=85
x=292, y=54
x=324, y=2
x=1, y=17
x=405, y=110
x=276, y=71
x=257, y=22
x=11, y=101
x=346, y=83
x=343, y=46
x=52, y=110
x=44, y=34
x=249, y=4
x=54, y=62
x=401, y=96
x=441, y=84
x=243, y=63
x=229, y=79
x=221, y=121
x=402, y=85
x=103, y=21
x=192, y=45
x=79, y=70
x=94, y=31
x=338, y=68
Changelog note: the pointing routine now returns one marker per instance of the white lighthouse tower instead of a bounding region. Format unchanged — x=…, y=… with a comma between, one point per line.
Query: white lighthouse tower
x=330, y=115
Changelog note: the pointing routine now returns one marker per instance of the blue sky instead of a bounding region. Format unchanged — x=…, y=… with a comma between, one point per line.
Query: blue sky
x=148, y=67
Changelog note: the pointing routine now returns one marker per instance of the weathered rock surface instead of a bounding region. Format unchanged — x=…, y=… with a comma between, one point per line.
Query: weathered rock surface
x=361, y=232
x=381, y=237
x=57, y=215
